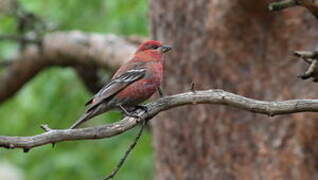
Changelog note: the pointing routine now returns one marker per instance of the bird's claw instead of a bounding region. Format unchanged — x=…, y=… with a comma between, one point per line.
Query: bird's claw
x=129, y=114
x=144, y=108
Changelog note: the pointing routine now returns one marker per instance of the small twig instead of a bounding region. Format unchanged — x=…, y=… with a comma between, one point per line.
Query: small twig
x=46, y=128
x=308, y=61
x=310, y=57
x=160, y=92
x=26, y=23
x=310, y=71
x=131, y=147
x=306, y=54
x=311, y=5
x=192, y=89
x=277, y=6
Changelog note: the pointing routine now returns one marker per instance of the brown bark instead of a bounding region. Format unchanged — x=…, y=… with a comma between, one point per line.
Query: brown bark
x=240, y=47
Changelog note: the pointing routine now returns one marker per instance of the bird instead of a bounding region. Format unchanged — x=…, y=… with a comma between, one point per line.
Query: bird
x=133, y=83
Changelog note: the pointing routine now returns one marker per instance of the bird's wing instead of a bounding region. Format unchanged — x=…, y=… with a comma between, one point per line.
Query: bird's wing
x=115, y=86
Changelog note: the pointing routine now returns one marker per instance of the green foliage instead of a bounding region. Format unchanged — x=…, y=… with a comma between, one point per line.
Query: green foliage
x=56, y=97
x=114, y=16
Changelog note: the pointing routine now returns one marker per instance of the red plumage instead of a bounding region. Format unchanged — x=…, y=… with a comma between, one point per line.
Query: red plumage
x=133, y=83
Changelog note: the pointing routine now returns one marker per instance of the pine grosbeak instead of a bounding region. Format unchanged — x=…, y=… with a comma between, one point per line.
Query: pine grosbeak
x=133, y=83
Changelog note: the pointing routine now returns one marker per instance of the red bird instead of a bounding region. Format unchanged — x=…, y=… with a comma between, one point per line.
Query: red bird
x=133, y=82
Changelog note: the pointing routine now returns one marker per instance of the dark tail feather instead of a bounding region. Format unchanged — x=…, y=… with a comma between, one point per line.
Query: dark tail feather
x=81, y=120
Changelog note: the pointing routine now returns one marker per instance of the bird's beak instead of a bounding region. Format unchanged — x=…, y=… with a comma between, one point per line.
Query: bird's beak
x=165, y=48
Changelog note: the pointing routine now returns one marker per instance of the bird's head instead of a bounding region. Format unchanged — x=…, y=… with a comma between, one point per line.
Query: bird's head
x=153, y=46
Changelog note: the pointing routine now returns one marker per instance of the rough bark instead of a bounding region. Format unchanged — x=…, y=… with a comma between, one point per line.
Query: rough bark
x=238, y=46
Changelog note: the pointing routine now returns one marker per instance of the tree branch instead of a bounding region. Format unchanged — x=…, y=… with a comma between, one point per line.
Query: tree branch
x=310, y=57
x=221, y=97
x=64, y=49
x=130, y=148
x=280, y=5
x=306, y=54
x=311, y=5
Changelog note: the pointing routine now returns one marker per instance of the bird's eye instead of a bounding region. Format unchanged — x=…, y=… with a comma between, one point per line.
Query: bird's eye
x=154, y=47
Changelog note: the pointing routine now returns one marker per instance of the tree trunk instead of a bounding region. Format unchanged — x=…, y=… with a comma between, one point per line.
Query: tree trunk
x=240, y=47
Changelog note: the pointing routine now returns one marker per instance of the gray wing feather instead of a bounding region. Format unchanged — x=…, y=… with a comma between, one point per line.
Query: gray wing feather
x=115, y=86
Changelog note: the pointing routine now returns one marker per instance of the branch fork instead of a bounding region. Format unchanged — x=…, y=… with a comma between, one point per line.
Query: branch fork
x=311, y=58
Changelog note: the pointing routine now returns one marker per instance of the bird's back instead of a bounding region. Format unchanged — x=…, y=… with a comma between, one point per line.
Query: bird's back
x=143, y=88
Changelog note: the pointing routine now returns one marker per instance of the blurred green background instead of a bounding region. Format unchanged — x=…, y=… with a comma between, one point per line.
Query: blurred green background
x=56, y=97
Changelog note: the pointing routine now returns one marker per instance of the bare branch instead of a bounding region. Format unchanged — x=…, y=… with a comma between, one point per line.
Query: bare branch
x=311, y=58
x=277, y=6
x=131, y=147
x=64, y=49
x=311, y=71
x=311, y=5
x=306, y=54
x=221, y=97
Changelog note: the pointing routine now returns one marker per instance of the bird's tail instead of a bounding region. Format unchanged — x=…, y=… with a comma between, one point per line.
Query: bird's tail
x=82, y=119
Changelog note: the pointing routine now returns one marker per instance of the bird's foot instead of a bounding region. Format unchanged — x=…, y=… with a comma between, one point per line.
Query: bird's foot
x=129, y=114
x=144, y=108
